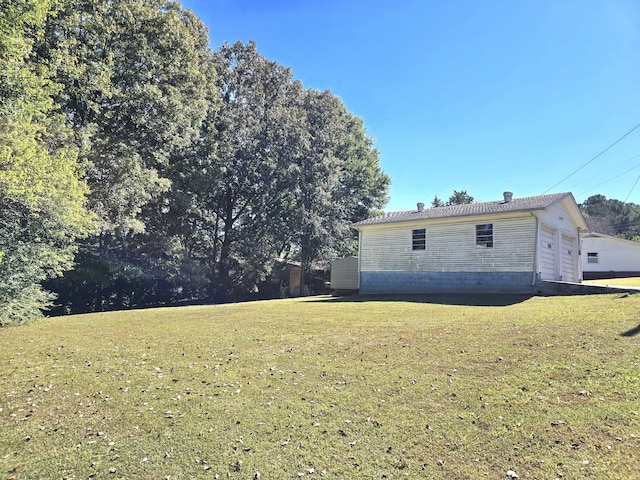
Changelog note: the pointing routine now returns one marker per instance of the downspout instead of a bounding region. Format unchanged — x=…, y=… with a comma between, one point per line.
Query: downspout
x=359, y=256
x=535, y=249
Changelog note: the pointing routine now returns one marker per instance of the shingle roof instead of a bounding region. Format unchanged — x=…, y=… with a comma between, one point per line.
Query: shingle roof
x=539, y=202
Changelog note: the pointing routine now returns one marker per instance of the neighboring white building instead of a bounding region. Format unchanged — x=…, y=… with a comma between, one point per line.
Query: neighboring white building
x=604, y=256
x=510, y=245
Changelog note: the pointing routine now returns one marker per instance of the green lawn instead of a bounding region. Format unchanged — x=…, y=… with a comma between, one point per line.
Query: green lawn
x=622, y=282
x=398, y=387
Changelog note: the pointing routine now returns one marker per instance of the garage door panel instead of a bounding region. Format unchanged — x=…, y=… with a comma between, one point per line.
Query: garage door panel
x=547, y=254
x=567, y=253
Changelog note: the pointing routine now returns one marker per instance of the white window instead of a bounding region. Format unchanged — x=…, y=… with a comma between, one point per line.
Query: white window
x=592, y=257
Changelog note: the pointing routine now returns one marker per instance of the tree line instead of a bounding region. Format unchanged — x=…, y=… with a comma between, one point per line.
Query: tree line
x=140, y=168
x=612, y=217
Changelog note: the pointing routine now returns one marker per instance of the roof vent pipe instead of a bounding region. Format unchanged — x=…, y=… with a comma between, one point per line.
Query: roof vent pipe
x=420, y=206
x=508, y=196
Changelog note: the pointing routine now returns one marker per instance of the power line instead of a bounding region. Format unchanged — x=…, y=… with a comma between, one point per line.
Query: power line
x=606, y=181
x=632, y=188
x=629, y=225
x=624, y=225
x=604, y=172
x=598, y=155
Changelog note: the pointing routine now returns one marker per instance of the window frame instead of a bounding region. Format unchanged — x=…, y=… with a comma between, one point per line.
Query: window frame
x=592, y=257
x=484, y=235
x=418, y=239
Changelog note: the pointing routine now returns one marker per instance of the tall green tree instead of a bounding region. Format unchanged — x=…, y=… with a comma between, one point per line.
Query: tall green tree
x=272, y=171
x=181, y=223
x=363, y=186
x=614, y=216
x=42, y=198
x=291, y=169
x=253, y=129
x=138, y=84
x=335, y=179
x=437, y=202
x=456, y=198
x=137, y=79
x=460, y=198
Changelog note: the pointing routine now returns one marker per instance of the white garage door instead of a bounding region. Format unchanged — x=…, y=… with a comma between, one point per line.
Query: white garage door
x=568, y=256
x=547, y=254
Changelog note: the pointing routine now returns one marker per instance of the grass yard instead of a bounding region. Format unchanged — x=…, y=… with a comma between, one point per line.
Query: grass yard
x=398, y=387
x=618, y=282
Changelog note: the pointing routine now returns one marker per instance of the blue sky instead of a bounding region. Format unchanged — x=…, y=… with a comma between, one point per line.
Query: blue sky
x=476, y=95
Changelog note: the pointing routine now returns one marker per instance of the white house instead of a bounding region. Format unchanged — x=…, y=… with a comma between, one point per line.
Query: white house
x=604, y=256
x=510, y=245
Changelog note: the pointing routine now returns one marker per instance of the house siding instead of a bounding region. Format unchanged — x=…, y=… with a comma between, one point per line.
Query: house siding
x=451, y=262
x=450, y=247
x=616, y=257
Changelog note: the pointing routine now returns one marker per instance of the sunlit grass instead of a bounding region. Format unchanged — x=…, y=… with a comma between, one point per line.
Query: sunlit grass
x=622, y=282
x=417, y=387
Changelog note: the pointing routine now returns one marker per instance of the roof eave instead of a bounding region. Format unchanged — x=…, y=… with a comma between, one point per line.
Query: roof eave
x=359, y=225
x=578, y=218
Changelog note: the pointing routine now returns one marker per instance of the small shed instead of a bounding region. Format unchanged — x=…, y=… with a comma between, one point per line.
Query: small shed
x=604, y=256
x=344, y=274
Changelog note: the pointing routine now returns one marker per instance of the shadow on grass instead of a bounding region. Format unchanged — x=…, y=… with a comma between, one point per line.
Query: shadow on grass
x=632, y=332
x=480, y=300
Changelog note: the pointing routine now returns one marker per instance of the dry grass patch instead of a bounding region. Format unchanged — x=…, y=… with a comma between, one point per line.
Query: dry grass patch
x=398, y=387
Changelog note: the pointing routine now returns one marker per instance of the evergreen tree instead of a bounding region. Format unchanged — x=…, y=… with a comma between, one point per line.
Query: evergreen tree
x=437, y=202
x=460, y=198
x=614, y=216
